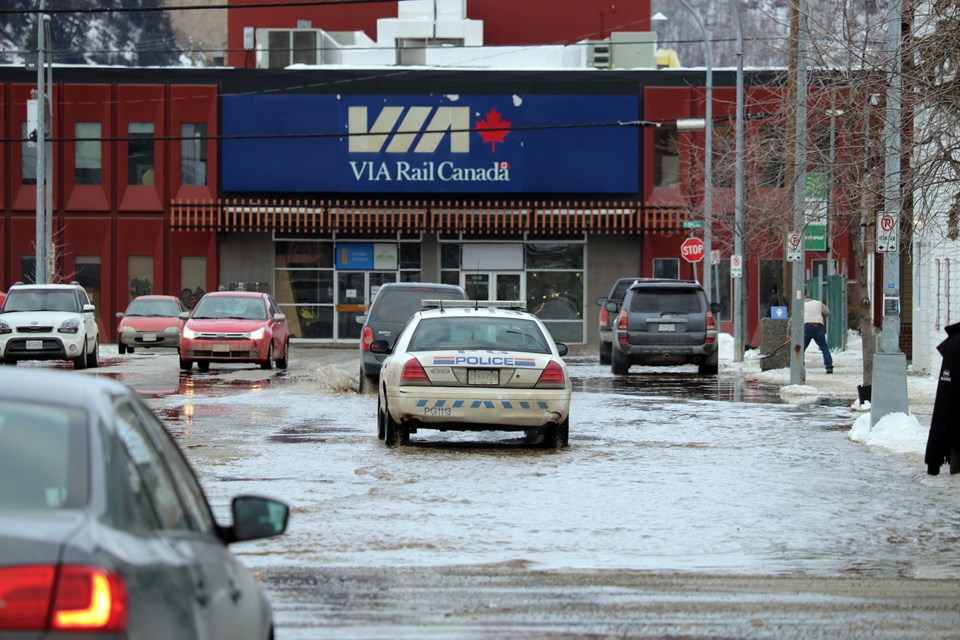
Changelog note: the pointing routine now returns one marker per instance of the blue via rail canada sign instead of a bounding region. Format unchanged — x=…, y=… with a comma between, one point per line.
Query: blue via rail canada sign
x=430, y=144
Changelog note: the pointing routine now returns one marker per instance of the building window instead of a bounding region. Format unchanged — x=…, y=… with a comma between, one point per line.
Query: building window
x=88, y=275
x=555, y=288
x=193, y=278
x=140, y=150
x=666, y=157
x=139, y=276
x=771, y=161
x=193, y=154
x=666, y=268
x=28, y=159
x=28, y=269
x=724, y=161
x=88, y=154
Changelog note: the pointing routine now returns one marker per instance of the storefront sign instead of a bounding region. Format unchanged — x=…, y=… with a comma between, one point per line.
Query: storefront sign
x=430, y=144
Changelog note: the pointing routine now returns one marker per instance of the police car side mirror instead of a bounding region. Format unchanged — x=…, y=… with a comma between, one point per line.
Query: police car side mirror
x=380, y=346
x=561, y=348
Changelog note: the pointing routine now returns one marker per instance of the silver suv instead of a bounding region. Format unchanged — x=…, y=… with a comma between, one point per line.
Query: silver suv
x=393, y=305
x=664, y=322
x=608, y=313
x=49, y=322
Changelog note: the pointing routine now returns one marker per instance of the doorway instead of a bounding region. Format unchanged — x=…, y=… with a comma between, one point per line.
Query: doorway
x=493, y=285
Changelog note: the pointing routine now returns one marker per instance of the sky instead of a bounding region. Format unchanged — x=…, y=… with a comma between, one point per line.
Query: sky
x=903, y=433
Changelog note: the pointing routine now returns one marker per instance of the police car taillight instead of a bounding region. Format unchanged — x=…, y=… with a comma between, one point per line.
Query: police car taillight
x=366, y=338
x=552, y=376
x=413, y=373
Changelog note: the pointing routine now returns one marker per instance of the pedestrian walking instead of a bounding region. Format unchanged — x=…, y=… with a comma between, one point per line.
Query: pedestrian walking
x=814, y=316
x=943, y=441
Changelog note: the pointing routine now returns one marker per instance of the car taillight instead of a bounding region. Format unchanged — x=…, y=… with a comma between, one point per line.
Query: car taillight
x=622, y=321
x=413, y=373
x=604, y=318
x=366, y=338
x=711, y=326
x=552, y=376
x=87, y=598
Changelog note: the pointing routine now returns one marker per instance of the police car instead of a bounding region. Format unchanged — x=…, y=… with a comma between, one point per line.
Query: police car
x=467, y=365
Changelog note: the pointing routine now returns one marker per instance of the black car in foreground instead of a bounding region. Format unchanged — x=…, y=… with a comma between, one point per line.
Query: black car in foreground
x=105, y=531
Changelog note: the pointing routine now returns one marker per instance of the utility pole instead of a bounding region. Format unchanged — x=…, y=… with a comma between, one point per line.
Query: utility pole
x=890, y=364
x=797, y=370
x=41, y=276
x=739, y=324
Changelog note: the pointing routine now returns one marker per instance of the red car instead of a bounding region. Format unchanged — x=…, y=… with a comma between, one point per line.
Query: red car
x=235, y=326
x=150, y=321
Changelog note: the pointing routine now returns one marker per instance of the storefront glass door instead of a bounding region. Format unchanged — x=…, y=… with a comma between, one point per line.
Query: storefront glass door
x=487, y=285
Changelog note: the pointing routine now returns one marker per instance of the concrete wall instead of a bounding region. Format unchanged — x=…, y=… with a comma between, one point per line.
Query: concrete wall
x=608, y=258
x=246, y=257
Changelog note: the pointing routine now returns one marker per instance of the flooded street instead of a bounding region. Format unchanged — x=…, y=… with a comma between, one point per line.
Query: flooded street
x=667, y=474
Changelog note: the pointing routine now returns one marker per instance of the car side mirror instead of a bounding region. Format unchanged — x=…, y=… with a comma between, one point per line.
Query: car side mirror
x=600, y=301
x=380, y=346
x=184, y=315
x=255, y=517
x=89, y=308
x=119, y=314
x=279, y=317
x=715, y=307
x=612, y=306
x=561, y=348
x=360, y=319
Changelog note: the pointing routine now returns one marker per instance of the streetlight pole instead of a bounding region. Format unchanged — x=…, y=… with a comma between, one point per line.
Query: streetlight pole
x=708, y=156
x=40, y=274
x=797, y=371
x=738, y=310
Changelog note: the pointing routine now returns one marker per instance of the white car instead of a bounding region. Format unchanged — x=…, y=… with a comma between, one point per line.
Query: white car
x=474, y=366
x=49, y=322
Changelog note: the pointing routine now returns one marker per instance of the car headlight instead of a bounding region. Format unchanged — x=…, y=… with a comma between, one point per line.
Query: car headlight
x=70, y=326
x=188, y=333
x=172, y=330
x=127, y=329
x=256, y=335
x=5, y=328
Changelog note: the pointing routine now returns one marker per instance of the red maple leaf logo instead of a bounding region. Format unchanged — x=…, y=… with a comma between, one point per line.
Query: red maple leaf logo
x=493, y=129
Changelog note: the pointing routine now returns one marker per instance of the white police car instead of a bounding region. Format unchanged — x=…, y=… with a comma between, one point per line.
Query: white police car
x=474, y=366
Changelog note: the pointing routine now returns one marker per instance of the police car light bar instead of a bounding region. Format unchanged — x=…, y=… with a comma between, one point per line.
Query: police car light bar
x=474, y=304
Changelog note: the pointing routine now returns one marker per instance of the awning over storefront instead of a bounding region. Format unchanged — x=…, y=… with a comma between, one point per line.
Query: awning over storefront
x=378, y=216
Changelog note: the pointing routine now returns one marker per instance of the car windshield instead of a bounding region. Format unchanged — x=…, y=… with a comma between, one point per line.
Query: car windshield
x=620, y=289
x=43, y=454
x=666, y=301
x=41, y=300
x=163, y=308
x=238, y=307
x=397, y=305
x=503, y=334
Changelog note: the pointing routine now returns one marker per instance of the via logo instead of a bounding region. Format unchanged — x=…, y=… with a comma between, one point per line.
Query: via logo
x=406, y=129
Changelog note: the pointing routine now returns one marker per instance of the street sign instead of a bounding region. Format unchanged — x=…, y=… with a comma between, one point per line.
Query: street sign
x=692, y=224
x=793, y=246
x=815, y=237
x=715, y=256
x=888, y=233
x=736, y=266
x=692, y=249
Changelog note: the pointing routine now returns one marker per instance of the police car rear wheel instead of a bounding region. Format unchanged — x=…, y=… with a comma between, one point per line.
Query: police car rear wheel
x=380, y=421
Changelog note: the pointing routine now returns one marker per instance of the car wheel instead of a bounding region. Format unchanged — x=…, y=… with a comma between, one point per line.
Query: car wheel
x=93, y=360
x=380, y=421
x=268, y=363
x=130, y=349
x=393, y=433
x=619, y=362
x=565, y=433
x=710, y=367
x=203, y=365
x=605, y=353
x=185, y=365
x=80, y=362
x=9, y=363
x=282, y=362
x=551, y=437
x=121, y=348
x=366, y=383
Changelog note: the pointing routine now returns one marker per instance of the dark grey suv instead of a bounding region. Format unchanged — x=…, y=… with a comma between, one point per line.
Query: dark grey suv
x=664, y=322
x=393, y=305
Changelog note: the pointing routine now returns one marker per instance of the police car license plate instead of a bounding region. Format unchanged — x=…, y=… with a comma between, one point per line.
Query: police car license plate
x=221, y=348
x=34, y=344
x=483, y=376
x=668, y=327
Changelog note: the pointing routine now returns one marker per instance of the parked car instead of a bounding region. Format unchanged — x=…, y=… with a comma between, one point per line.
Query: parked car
x=49, y=322
x=105, y=530
x=235, y=326
x=393, y=305
x=664, y=322
x=471, y=366
x=609, y=312
x=3, y=296
x=150, y=321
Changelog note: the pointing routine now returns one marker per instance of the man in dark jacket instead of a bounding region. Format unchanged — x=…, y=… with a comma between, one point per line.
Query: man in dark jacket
x=943, y=442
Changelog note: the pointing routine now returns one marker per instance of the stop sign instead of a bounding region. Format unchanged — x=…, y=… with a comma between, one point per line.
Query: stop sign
x=692, y=249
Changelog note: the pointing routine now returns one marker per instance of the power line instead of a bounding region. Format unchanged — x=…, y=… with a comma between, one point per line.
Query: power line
x=204, y=7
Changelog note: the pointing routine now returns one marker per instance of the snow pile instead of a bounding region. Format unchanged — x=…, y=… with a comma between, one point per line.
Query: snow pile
x=897, y=432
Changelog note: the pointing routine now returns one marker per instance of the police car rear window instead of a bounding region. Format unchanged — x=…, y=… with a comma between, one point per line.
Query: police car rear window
x=500, y=334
